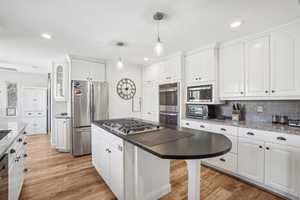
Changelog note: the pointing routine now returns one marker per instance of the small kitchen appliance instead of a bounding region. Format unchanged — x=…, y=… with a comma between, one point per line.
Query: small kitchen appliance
x=294, y=122
x=200, y=94
x=200, y=111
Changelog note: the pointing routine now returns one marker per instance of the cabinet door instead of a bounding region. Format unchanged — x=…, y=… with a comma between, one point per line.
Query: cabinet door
x=102, y=158
x=151, y=73
x=28, y=99
x=40, y=125
x=116, y=172
x=40, y=99
x=257, y=67
x=282, y=167
x=150, y=98
x=251, y=159
x=232, y=71
x=59, y=82
x=83, y=70
x=170, y=69
x=200, y=67
x=285, y=62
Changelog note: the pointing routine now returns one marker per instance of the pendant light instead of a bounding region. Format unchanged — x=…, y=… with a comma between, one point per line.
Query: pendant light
x=120, y=63
x=159, y=46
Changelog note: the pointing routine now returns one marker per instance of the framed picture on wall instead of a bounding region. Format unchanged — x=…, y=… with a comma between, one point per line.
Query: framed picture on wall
x=12, y=111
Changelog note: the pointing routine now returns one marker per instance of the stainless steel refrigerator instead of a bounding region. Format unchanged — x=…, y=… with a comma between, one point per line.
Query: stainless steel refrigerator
x=89, y=103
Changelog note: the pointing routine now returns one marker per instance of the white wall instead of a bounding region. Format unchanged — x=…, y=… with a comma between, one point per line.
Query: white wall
x=119, y=107
x=23, y=80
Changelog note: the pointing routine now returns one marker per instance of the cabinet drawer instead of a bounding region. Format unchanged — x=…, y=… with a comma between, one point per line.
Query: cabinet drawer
x=227, y=162
x=281, y=138
x=196, y=125
x=252, y=134
x=111, y=139
x=223, y=129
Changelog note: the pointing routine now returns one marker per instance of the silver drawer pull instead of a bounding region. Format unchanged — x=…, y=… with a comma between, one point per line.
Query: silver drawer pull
x=223, y=129
x=187, y=124
x=202, y=126
x=250, y=133
x=222, y=159
x=120, y=148
x=281, y=138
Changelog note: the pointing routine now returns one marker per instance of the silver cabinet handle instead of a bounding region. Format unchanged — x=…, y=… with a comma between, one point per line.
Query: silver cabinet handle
x=222, y=159
x=281, y=138
x=250, y=133
x=223, y=129
x=202, y=126
x=120, y=148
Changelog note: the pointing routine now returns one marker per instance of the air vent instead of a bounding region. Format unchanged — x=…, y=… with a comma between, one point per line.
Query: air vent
x=8, y=69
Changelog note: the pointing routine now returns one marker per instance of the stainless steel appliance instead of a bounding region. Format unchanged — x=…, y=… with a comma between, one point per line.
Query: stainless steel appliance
x=168, y=104
x=200, y=111
x=130, y=126
x=294, y=122
x=4, y=177
x=89, y=103
x=200, y=94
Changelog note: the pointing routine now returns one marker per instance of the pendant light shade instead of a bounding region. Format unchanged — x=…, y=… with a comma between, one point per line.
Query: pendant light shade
x=120, y=63
x=159, y=46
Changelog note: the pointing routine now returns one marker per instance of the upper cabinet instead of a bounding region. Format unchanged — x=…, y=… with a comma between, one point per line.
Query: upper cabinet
x=87, y=70
x=285, y=61
x=257, y=67
x=60, y=82
x=171, y=69
x=166, y=71
x=266, y=67
x=231, y=81
x=201, y=66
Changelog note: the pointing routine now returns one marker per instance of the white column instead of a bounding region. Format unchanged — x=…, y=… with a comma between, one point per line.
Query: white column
x=194, y=179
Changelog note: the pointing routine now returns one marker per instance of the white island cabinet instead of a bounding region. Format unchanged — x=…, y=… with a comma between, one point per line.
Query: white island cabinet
x=128, y=170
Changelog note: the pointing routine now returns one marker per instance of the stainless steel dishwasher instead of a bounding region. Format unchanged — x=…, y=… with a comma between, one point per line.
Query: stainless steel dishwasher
x=4, y=177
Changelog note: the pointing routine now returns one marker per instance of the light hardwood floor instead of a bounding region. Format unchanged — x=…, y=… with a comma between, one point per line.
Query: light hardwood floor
x=60, y=176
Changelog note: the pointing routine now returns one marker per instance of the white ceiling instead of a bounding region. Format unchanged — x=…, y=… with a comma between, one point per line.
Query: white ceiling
x=91, y=27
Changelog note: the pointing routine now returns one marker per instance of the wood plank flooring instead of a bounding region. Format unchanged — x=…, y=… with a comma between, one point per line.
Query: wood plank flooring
x=60, y=176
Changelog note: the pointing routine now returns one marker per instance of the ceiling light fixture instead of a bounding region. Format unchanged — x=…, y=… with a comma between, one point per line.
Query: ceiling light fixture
x=46, y=36
x=159, y=46
x=236, y=24
x=120, y=63
x=146, y=59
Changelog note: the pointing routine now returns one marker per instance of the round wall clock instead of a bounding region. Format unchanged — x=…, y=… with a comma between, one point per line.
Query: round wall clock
x=126, y=88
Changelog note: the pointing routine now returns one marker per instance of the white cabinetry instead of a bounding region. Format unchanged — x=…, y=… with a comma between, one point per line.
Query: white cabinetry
x=151, y=73
x=60, y=75
x=285, y=61
x=34, y=108
x=60, y=137
x=232, y=82
x=107, y=156
x=16, y=155
x=201, y=66
x=251, y=159
x=87, y=69
x=257, y=67
x=150, y=102
x=282, y=167
x=171, y=69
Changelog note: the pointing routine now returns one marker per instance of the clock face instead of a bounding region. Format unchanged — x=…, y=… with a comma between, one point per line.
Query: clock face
x=126, y=88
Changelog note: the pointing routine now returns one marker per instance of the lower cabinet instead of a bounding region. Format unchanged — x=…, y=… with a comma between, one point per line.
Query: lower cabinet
x=282, y=167
x=269, y=159
x=60, y=137
x=107, y=157
x=17, y=155
x=251, y=159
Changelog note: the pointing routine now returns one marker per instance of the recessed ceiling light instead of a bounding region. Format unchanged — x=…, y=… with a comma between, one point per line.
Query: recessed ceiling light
x=46, y=36
x=146, y=59
x=236, y=24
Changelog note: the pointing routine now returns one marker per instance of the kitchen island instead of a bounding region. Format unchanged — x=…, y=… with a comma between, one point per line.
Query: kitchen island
x=164, y=143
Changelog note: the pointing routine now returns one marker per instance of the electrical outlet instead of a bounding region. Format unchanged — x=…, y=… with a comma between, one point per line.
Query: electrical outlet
x=260, y=109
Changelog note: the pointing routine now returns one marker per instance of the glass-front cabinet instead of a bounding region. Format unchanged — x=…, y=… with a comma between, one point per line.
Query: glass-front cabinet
x=59, y=82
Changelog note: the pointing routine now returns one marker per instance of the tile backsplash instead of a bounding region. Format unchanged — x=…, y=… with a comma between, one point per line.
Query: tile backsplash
x=262, y=111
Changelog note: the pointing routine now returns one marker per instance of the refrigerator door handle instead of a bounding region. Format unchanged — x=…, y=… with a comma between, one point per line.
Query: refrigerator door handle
x=92, y=103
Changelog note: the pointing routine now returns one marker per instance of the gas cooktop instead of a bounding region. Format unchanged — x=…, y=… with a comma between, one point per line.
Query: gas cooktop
x=3, y=133
x=130, y=126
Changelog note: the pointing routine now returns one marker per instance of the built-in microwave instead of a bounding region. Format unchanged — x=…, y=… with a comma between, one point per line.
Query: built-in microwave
x=200, y=111
x=200, y=94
